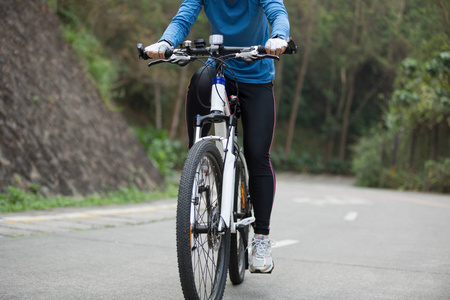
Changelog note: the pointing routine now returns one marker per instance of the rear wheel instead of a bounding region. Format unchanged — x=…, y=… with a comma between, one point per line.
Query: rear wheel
x=203, y=252
x=239, y=240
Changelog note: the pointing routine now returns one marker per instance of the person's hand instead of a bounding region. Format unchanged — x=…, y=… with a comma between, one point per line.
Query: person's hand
x=275, y=46
x=157, y=50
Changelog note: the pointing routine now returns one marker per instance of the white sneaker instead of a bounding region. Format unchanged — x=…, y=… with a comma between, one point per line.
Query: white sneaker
x=261, y=255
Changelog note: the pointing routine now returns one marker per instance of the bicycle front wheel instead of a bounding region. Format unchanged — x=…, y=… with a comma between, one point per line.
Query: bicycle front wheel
x=203, y=252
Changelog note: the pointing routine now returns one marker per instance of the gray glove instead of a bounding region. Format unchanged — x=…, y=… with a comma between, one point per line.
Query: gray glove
x=157, y=50
x=275, y=46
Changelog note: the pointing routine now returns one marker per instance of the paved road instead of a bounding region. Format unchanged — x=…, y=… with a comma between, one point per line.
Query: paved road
x=335, y=241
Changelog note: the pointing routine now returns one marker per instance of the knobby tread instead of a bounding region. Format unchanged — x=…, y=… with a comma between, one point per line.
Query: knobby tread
x=186, y=271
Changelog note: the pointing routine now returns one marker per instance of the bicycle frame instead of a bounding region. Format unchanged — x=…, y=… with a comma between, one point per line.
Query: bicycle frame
x=225, y=140
x=220, y=114
x=214, y=178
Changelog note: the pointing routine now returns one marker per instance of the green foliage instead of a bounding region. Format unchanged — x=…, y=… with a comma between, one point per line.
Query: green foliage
x=438, y=175
x=369, y=37
x=304, y=162
x=423, y=94
x=16, y=199
x=420, y=103
x=337, y=166
x=99, y=67
x=53, y=4
x=366, y=162
x=434, y=178
x=401, y=179
x=167, y=155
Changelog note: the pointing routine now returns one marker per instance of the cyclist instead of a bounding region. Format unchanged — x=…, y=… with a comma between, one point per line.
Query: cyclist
x=242, y=23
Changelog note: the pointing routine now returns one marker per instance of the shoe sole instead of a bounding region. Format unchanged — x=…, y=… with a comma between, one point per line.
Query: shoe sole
x=257, y=271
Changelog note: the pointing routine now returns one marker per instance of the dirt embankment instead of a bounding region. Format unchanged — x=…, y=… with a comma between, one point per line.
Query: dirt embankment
x=55, y=131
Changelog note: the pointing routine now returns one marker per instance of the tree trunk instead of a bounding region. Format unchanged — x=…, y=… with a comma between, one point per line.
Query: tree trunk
x=178, y=104
x=445, y=12
x=412, y=150
x=394, y=150
x=383, y=153
x=299, y=86
x=434, y=141
x=341, y=105
x=278, y=84
x=357, y=16
x=158, y=106
x=346, y=116
x=328, y=144
x=400, y=10
x=343, y=93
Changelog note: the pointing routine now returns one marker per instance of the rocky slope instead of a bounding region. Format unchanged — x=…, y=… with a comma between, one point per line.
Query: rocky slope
x=55, y=131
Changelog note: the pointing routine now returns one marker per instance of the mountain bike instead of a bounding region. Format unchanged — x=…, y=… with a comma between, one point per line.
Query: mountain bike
x=214, y=208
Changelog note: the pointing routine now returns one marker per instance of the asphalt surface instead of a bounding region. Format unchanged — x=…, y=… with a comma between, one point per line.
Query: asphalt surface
x=334, y=241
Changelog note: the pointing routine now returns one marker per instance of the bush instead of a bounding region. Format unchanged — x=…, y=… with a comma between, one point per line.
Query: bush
x=304, y=162
x=367, y=162
x=307, y=163
x=99, y=67
x=402, y=180
x=370, y=172
x=337, y=166
x=438, y=175
x=167, y=155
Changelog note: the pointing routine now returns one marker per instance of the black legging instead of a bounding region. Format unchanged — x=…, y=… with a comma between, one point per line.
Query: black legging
x=258, y=122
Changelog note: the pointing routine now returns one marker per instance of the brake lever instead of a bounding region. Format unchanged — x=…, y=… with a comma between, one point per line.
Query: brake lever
x=262, y=56
x=176, y=58
x=181, y=59
x=159, y=61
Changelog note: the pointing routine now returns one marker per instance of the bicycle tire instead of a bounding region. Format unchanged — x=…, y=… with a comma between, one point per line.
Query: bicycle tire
x=203, y=253
x=242, y=209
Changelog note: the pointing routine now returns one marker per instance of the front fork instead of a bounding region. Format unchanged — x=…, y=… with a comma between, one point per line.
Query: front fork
x=228, y=185
x=219, y=104
x=228, y=181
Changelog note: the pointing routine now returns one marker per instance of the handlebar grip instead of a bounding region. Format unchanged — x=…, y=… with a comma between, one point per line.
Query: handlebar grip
x=290, y=49
x=168, y=53
x=141, y=52
x=143, y=55
x=261, y=50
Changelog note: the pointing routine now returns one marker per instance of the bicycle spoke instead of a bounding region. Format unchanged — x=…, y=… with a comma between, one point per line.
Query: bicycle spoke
x=204, y=263
x=203, y=268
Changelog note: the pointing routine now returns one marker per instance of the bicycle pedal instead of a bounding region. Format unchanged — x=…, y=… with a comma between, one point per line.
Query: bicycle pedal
x=245, y=221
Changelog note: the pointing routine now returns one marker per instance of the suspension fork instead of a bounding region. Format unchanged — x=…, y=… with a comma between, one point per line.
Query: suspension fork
x=220, y=108
x=228, y=181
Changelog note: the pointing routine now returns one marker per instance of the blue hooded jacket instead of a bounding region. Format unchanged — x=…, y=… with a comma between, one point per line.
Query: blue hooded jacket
x=242, y=23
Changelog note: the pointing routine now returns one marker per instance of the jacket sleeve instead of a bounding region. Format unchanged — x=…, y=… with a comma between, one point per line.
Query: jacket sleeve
x=278, y=18
x=181, y=24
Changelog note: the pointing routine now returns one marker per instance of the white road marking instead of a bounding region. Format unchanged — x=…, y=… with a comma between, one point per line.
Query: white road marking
x=329, y=200
x=351, y=216
x=285, y=243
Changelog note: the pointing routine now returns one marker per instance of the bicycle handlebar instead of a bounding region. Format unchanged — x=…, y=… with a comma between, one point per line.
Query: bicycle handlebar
x=244, y=53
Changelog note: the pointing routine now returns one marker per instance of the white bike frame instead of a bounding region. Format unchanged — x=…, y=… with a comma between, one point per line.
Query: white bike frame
x=219, y=103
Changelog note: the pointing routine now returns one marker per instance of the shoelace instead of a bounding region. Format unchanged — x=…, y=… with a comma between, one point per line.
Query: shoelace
x=260, y=246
